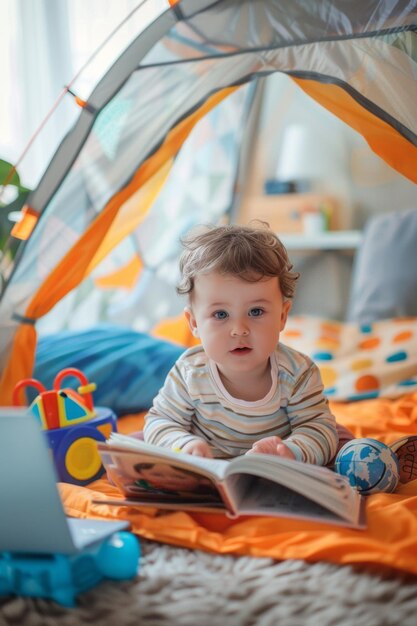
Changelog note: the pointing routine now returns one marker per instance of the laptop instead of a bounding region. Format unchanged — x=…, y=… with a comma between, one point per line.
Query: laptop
x=32, y=517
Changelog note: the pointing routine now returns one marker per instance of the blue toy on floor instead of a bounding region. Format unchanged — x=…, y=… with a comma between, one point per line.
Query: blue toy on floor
x=61, y=577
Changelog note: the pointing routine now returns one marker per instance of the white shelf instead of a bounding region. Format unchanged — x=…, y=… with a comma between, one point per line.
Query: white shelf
x=327, y=240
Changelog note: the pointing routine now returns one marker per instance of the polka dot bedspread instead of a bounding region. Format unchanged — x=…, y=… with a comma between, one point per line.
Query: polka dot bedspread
x=358, y=362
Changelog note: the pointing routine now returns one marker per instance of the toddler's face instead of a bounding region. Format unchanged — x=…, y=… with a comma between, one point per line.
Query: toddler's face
x=238, y=322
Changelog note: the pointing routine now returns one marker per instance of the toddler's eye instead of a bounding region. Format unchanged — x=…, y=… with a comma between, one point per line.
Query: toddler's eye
x=256, y=312
x=221, y=315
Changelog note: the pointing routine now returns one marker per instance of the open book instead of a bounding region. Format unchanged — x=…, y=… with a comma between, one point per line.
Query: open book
x=253, y=484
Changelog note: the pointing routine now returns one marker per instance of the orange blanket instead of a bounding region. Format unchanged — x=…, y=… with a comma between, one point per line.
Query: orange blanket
x=390, y=539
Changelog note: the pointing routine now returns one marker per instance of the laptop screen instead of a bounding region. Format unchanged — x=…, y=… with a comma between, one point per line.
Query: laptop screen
x=32, y=518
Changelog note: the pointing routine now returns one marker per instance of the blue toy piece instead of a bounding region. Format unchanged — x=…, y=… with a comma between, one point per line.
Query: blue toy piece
x=370, y=465
x=61, y=577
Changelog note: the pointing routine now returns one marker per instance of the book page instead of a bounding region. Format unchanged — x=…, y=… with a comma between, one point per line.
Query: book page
x=318, y=484
x=212, y=468
x=259, y=496
x=157, y=480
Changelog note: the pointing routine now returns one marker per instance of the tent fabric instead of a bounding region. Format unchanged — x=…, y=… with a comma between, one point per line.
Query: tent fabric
x=80, y=258
x=390, y=539
x=356, y=59
x=378, y=133
x=74, y=265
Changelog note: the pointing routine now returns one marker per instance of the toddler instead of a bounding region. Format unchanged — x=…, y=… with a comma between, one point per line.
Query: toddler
x=241, y=391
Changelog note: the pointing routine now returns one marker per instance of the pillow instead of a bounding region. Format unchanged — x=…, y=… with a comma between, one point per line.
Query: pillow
x=358, y=362
x=384, y=281
x=128, y=367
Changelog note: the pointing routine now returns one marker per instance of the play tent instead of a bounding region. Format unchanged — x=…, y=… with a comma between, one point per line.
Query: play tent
x=156, y=148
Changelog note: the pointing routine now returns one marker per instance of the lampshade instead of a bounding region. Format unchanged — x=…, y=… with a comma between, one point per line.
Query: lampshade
x=308, y=155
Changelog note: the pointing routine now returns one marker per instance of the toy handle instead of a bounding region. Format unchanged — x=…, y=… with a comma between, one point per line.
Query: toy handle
x=26, y=382
x=85, y=389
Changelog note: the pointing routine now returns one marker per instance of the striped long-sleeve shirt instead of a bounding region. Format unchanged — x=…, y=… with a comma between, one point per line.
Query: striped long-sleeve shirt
x=193, y=403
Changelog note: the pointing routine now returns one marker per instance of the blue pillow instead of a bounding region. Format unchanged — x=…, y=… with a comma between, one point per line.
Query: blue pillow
x=128, y=367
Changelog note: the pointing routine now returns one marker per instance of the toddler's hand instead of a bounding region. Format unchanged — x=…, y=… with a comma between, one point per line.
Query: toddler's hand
x=198, y=447
x=271, y=445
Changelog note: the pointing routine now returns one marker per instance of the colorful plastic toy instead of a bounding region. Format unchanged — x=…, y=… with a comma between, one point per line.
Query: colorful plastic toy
x=61, y=577
x=370, y=465
x=72, y=424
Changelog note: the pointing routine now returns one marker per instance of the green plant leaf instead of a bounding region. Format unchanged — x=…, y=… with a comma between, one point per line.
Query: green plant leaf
x=5, y=169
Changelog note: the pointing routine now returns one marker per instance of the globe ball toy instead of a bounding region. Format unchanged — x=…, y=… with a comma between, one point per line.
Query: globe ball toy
x=370, y=465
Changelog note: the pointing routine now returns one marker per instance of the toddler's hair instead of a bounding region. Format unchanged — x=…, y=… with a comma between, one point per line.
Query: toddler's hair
x=251, y=253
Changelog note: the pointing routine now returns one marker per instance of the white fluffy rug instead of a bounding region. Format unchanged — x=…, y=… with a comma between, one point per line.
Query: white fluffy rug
x=179, y=587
